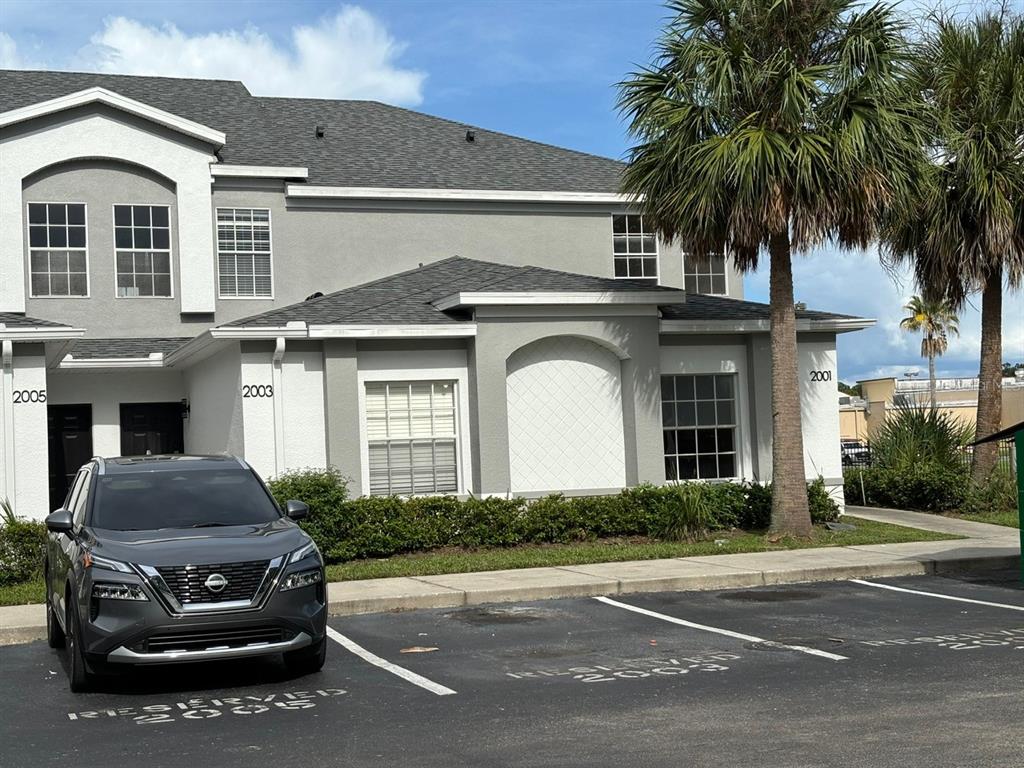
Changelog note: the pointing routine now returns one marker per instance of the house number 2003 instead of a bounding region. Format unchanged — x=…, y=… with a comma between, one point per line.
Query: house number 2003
x=257, y=390
x=821, y=375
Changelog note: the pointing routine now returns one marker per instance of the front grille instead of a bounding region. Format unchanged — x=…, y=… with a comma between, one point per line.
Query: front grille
x=203, y=639
x=188, y=582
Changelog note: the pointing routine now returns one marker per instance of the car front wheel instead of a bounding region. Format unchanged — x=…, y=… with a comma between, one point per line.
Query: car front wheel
x=307, y=660
x=79, y=677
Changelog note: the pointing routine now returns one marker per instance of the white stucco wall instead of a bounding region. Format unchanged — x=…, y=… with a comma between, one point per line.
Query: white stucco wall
x=818, y=411
x=28, y=489
x=105, y=391
x=706, y=359
x=103, y=133
x=286, y=430
x=565, y=429
x=214, y=394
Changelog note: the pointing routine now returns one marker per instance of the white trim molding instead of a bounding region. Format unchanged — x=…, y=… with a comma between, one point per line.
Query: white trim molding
x=826, y=325
x=436, y=331
x=40, y=333
x=467, y=195
x=152, y=360
x=99, y=95
x=557, y=298
x=258, y=171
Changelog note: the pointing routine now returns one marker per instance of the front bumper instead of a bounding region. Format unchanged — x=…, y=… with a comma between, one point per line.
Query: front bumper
x=123, y=655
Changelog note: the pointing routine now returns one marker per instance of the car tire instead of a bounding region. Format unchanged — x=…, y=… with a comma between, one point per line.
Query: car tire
x=306, y=661
x=54, y=634
x=80, y=679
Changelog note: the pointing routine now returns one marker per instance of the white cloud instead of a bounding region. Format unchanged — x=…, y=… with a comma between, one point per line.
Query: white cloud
x=12, y=58
x=348, y=55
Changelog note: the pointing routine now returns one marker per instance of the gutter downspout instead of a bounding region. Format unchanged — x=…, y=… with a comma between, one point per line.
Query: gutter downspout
x=277, y=378
x=7, y=487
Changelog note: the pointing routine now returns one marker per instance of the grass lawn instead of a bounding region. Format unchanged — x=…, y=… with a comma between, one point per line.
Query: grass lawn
x=613, y=550
x=603, y=551
x=1009, y=519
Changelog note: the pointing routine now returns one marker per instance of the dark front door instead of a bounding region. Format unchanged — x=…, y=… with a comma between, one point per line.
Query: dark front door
x=69, y=438
x=151, y=428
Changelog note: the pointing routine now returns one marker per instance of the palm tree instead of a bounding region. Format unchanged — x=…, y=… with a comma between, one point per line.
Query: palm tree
x=936, y=320
x=964, y=232
x=778, y=126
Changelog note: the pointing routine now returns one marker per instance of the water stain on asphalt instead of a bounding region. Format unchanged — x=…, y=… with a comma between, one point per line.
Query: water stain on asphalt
x=769, y=595
x=489, y=615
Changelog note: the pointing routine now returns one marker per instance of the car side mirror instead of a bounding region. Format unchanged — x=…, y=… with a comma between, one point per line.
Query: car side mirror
x=296, y=510
x=59, y=521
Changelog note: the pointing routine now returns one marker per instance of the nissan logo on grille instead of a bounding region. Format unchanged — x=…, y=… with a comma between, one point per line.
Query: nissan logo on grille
x=215, y=582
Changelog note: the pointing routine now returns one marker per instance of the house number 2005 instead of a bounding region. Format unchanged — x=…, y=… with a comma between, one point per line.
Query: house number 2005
x=257, y=390
x=821, y=375
x=29, y=396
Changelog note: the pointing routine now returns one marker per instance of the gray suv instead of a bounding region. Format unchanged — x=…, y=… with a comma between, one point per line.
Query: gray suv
x=162, y=559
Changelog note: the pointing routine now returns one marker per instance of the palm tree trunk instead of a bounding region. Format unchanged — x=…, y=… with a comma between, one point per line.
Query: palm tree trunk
x=931, y=373
x=790, y=514
x=990, y=390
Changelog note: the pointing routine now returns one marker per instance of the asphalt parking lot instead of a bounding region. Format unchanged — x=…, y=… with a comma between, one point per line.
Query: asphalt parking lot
x=832, y=674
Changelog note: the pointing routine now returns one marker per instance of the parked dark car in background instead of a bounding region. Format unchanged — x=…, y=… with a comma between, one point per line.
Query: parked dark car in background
x=855, y=453
x=165, y=559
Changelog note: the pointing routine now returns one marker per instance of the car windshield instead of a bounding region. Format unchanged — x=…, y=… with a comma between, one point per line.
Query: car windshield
x=140, y=501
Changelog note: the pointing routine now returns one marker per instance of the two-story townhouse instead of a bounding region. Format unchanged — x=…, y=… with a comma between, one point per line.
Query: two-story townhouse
x=428, y=306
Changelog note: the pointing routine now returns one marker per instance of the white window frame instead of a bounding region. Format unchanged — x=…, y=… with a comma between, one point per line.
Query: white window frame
x=385, y=373
x=169, y=249
x=270, y=237
x=725, y=272
x=29, y=248
x=656, y=277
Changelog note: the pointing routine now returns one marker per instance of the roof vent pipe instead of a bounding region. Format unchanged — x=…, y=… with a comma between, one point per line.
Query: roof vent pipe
x=321, y=130
x=470, y=136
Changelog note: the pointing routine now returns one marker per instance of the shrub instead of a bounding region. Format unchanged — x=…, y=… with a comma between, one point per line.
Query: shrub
x=22, y=548
x=321, y=489
x=996, y=496
x=823, y=507
x=684, y=513
x=925, y=487
x=918, y=436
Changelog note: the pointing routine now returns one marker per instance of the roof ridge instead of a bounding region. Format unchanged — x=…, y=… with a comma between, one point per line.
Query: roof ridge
x=133, y=75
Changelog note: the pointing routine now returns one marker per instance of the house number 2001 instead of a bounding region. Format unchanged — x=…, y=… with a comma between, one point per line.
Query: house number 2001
x=257, y=390
x=821, y=375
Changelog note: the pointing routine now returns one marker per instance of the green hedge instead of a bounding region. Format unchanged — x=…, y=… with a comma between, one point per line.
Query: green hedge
x=926, y=488
x=22, y=548
x=347, y=529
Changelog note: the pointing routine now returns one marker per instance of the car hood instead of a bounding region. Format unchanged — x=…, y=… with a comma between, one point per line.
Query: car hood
x=201, y=546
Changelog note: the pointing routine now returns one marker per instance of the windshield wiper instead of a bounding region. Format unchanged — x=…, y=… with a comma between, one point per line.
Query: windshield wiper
x=213, y=524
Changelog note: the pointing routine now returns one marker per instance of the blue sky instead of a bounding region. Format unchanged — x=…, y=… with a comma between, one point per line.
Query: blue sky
x=543, y=70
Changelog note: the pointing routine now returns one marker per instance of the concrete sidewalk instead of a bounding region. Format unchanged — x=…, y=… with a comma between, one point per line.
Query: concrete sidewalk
x=984, y=547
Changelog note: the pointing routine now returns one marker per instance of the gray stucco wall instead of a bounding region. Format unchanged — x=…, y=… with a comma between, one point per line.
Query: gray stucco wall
x=635, y=338
x=101, y=184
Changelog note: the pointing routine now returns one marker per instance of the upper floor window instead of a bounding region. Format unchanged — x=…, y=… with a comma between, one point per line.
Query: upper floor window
x=243, y=252
x=634, y=247
x=142, y=250
x=704, y=274
x=58, y=263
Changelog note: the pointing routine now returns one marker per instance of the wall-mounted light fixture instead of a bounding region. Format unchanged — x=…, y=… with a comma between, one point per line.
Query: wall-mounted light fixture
x=186, y=409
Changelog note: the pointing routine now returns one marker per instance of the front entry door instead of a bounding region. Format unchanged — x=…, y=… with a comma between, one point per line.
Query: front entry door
x=151, y=428
x=69, y=441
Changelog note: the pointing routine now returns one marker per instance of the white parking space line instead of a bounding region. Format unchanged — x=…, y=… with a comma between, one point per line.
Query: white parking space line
x=939, y=596
x=377, y=661
x=726, y=632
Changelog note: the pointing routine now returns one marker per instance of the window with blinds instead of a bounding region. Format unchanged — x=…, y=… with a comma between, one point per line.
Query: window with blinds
x=244, y=267
x=411, y=437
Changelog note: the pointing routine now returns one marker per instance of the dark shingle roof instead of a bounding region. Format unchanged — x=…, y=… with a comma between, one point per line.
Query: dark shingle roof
x=406, y=298
x=102, y=349
x=366, y=143
x=700, y=307
x=12, y=320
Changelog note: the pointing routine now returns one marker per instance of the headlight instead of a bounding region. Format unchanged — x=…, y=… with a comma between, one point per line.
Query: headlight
x=110, y=591
x=95, y=561
x=305, y=551
x=301, y=579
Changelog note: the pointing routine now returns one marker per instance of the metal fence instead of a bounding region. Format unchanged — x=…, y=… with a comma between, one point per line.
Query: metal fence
x=858, y=454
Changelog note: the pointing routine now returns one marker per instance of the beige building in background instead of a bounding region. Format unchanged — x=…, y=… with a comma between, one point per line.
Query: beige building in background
x=860, y=417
